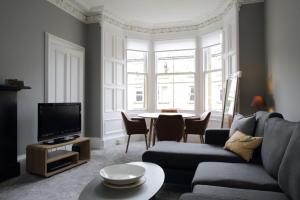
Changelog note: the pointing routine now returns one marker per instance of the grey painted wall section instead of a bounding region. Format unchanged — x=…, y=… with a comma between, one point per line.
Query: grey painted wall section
x=23, y=24
x=283, y=56
x=252, y=54
x=93, y=83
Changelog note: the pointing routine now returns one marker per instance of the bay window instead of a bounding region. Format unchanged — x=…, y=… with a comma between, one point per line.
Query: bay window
x=175, y=79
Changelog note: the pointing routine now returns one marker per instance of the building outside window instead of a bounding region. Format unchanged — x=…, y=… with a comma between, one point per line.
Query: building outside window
x=175, y=79
x=213, y=72
x=136, y=79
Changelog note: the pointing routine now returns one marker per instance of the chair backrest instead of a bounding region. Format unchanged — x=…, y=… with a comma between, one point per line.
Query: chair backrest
x=205, y=117
x=197, y=126
x=169, y=128
x=134, y=126
x=169, y=110
x=125, y=120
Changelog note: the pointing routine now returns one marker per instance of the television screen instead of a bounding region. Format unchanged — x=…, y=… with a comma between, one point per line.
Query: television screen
x=57, y=120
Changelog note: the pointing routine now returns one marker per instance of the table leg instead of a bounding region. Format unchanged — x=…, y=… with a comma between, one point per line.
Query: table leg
x=153, y=134
x=150, y=132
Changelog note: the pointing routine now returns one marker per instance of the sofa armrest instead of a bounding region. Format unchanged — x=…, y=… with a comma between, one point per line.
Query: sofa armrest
x=216, y=136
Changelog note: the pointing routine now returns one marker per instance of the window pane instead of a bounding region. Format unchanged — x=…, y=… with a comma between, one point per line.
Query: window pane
x=213, y=91
x=136, y=61
x=212, y=57
x=176, y=91
x=184, y=92
x=175, y=61
x=164, y=91
x=135, y=92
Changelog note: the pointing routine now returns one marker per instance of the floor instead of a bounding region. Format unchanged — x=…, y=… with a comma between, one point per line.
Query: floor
x=69, y=184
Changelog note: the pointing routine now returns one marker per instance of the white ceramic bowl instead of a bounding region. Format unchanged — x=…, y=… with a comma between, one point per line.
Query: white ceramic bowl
x=122, y=174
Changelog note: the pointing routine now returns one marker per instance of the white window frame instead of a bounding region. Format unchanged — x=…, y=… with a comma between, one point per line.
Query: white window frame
x=206, y=72
x=145, y=107
x=180, y=73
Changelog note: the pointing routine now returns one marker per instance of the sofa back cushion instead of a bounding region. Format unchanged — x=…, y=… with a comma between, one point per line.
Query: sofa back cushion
x=261, y=119
x=243, y=124
x=289, y=171
x=277, y=134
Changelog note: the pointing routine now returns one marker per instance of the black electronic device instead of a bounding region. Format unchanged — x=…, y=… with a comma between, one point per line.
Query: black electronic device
x=58, y=122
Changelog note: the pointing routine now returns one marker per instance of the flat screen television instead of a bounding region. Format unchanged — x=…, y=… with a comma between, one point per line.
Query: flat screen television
x=56, y=121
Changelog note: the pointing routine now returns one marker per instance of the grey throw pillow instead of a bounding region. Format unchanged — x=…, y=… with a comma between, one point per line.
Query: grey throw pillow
x=243, y=124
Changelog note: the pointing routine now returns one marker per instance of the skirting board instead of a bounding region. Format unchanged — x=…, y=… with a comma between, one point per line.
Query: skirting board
x=21, y=157
x=101, y=143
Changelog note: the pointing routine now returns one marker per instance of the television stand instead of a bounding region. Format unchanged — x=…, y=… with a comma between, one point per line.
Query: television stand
x=60, y=140
x=46, y=160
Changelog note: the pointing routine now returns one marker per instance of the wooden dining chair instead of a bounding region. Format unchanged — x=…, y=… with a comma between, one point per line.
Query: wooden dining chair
x=169, y=128
x=196, y=126
x=134, y=126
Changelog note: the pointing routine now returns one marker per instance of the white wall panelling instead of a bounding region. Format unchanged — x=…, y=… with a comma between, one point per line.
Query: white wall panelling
x=64, y=71
x=113, y=84
x=120, y=100
x=109, y=98
x=113, y=126
x=109, y=72
x=120, y=71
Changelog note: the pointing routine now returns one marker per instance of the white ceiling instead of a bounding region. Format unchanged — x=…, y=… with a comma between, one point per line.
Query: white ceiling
x=155, y=13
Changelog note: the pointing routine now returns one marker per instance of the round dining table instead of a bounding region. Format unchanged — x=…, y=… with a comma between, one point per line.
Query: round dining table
x=154, y=116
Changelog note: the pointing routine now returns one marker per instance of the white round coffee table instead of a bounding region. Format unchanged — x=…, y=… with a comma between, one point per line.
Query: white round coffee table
x=155, y=176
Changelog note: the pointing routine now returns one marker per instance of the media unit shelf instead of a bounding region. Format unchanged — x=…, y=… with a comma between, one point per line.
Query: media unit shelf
x=46, y=160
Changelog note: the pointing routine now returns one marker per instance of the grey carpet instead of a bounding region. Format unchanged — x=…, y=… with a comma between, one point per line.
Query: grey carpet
x=69, y=184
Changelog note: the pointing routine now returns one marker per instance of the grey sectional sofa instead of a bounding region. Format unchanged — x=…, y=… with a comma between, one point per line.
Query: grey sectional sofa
x=275, y=174
x=180, y=160
x=278, y=178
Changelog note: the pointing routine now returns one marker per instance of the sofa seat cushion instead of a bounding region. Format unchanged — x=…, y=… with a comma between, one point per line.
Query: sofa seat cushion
x=235, y=175
x=187, y=156
x=222, y=193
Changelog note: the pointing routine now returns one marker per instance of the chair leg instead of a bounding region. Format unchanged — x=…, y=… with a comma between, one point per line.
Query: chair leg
x=185, y=137
x=128, y=143
x=201, y=139
x=146, y=141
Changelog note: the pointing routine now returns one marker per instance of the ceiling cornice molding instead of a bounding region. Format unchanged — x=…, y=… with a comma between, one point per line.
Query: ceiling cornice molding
x=106, y=17
x=71, y=8
x=81, y=14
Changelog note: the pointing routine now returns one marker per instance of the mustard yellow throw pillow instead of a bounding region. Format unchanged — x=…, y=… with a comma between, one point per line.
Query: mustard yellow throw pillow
x=243, y=145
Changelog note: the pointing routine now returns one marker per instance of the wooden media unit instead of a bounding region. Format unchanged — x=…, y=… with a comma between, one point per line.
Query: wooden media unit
x=49, y=159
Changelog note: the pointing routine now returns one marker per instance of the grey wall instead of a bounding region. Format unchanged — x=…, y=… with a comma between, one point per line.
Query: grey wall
x=252, y=54
x=93, y=100
x=23, y=24
x=283, y=56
